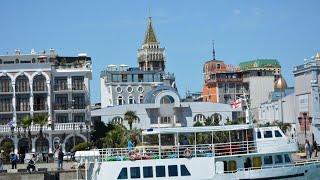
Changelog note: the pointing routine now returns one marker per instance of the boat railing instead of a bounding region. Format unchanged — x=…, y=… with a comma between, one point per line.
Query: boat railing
x=179, y=151
x=298, y=163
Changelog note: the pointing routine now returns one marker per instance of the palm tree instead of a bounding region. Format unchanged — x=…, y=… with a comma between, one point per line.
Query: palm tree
x=26, y=124
x=41, y=120
x=130, y=116
x=116, y=138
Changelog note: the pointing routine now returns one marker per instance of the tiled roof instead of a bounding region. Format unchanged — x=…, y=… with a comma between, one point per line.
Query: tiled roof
x=150, y=36
x=260, y=63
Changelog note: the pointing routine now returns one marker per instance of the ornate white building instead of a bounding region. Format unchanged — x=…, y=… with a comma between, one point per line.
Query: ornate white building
x=44, y=83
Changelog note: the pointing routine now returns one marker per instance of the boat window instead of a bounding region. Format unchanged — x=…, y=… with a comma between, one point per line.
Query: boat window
x=267, y=134
x=147, y=172
x=135, y=172
x=278, y=159
x=173, y=170
x=184, y=171
x=267, y=160
x=259, y=135
x=257, y=162
x=277, y=133
x=123, y=174
x=160, y=171
x=232, y=165
x=287, y=158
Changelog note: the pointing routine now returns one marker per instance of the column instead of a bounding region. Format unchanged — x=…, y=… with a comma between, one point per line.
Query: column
x=33, y=143
x=14, y=102
x=49, y=102
x=158, y=121
x=31, y=97
x=15, y=144
x=50, y=143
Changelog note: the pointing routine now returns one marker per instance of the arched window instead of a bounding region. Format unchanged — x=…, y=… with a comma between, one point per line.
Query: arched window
x=117, y=120
x=167, y=100
x=131, y=99
x=120, y=100
x=39, y=83
x=5, y=84
x=22, y=84
x=141, y=99
x=199, y=118
x=216, y=117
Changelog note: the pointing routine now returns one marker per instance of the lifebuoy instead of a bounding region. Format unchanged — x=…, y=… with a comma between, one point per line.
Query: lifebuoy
x=187, y=153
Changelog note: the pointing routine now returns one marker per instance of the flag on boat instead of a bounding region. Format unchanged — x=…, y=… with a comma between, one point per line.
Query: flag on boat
x=10, y=123
x=236, y=103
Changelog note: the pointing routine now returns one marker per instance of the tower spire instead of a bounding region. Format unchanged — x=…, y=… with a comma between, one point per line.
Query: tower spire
x=150, y=36
x=213, y=51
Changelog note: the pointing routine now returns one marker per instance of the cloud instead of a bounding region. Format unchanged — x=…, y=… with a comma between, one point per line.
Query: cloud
x=236, y=12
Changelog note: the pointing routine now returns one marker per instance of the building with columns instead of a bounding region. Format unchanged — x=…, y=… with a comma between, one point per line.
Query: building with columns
x=121, y=84
x=307, y=100
x=48, y=84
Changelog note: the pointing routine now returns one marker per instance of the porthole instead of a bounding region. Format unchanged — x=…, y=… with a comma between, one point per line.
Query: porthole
x=129, y=89
x=140, y=89
x=119, y=89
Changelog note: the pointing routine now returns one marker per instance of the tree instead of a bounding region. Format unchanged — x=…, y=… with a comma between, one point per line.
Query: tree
x=41, y=120
x=26, y=123
x=197, y=124
x=7, y=147
x=99, y=132
x=116, y=138
x=130, y=116
x=208, y=121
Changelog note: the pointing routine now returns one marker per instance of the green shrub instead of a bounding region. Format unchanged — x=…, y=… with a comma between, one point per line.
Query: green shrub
x=82, y=146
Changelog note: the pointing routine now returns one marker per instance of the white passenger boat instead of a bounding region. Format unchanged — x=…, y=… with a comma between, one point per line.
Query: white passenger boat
x=229, y=152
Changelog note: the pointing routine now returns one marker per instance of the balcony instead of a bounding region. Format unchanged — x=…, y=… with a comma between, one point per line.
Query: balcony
x=60, y=87
x=23, y=108
x=40, y=107
x=5, y=108
x=57, y=127
x=78, y=87
x=40, y=89
x=63, y=106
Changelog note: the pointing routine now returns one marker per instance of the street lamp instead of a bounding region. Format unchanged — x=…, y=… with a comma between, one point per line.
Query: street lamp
x=305, y=124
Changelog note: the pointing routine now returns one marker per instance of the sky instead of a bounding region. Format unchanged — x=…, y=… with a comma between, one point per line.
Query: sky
x=111, y=31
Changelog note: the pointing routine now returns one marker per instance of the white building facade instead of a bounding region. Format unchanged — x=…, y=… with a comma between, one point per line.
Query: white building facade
x=44, y=83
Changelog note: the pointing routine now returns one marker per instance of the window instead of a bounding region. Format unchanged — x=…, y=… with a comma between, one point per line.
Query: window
x=160, y=171
x=131, y=100
x=287, y=158
x=267, y=160
x=173, y=170
x=120, y=100
x=123, y=174
x=218, y=66
x=165, y=120
x=141, y=99
x=147, y=172
x=119, y=89
x=199, y=118
x=135, y=172
x=259, y=135
x=277, y=133
x=278, y=159
x=267, y=134
x=117, y=120
x=184, y=171
x=167, y=100
x=140, y=89
x=129, y=89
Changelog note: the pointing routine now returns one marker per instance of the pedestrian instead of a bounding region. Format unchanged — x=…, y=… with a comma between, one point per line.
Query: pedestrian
x=130, y=145
x=14, y=160
x=1, y=163
x=306, y=148
x=315, y=148
x=60, y=159
x=32, y=164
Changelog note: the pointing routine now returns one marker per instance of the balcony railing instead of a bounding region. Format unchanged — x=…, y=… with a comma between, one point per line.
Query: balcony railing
x=57, y=127
x=78, y=87
x=67, y=106
x=40, y=107
x=61, y=106
x=6, y=108
x=60, y=87
x=23, y=108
